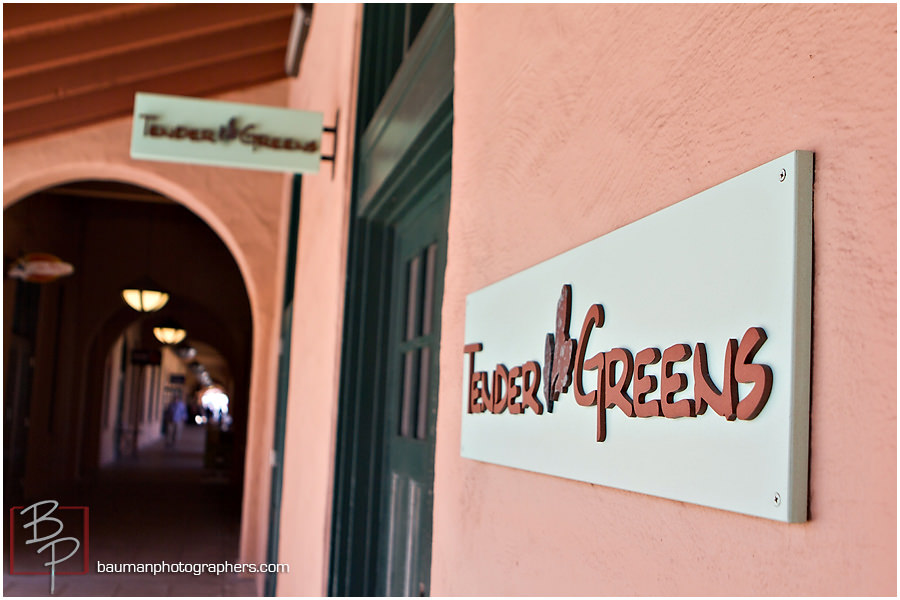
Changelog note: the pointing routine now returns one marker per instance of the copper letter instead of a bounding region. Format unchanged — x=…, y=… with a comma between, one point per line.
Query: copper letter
x=670, y=384
x=484, y=391
x=747, y=372
x=515, y=408
x=593, y=318
x=501, y=390
x=147, y=120
x=615, y=392
x=706, y=392
x=474, y=406
x=599, y=362
x=531, y=383
x=645, y=384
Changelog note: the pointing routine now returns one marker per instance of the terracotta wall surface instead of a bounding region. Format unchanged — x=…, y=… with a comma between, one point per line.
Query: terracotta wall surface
x=248, y=211
x=326, y=83
x=572, y=121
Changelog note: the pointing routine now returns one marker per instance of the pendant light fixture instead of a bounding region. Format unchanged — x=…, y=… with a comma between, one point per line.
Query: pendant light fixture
x=169, y=332
x=145, y=295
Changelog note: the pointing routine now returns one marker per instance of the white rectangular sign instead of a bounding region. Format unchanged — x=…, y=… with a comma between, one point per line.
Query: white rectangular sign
x=703, y=307
x=225, y=134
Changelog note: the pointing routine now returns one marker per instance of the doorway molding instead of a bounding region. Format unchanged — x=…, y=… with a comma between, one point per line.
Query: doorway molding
x=404, y=151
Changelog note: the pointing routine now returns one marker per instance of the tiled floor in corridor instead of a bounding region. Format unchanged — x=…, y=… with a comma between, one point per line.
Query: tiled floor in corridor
x=159, y=506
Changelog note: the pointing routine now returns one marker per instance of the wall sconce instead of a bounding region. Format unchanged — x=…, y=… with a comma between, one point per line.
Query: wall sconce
x=169, y=333
x=145, y=296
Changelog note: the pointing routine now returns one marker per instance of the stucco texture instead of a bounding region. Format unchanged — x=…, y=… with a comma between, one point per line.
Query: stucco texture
x=572, y=121
x=326, y=84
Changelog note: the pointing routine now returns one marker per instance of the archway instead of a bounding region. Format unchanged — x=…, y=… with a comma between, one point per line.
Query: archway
x=60, y=334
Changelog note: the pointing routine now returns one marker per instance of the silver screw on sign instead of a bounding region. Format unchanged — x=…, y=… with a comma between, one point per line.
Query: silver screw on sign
x=782, y=176
x=777, y=499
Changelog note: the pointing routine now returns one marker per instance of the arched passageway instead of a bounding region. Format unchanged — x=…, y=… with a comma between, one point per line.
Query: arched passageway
x=87, y=384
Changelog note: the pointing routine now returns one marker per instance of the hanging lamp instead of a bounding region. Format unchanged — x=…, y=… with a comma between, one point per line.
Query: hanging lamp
x=169, y=332
x=145, y=296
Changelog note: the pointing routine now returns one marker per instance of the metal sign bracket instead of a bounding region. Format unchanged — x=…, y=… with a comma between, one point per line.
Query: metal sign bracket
x=332, y=130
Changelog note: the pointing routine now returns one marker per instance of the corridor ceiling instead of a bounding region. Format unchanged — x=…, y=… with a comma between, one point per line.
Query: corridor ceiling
x=68, y=65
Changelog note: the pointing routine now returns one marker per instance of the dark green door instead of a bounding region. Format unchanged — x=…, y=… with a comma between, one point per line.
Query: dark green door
x=384, y=462
x=417, y=275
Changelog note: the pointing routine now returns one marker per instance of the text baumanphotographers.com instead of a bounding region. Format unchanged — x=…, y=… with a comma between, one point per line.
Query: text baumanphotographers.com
x=193, y=568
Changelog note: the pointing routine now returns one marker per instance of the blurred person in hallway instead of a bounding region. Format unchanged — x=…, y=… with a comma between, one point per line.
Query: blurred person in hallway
x=173, y=419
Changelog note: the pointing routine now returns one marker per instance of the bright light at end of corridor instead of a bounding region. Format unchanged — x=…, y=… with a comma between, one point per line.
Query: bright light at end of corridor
x=215, y=400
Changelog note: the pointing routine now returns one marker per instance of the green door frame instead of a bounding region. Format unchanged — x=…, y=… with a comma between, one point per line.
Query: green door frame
x=394, y=93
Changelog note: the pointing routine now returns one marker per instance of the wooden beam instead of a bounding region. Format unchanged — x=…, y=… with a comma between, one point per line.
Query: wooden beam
x=21, y=21
x=131, y=32
x=113, y=102
x=142, y=64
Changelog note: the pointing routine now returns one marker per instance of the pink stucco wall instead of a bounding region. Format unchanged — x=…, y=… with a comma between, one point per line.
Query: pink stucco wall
x=248, y=211
x=326, y=83
x=572, y=121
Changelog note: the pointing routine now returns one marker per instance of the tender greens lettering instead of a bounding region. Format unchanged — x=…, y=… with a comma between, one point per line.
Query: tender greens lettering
x=232, y=130
x=617, y=370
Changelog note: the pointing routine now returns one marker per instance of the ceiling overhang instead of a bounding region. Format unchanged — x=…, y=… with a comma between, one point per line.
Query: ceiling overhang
x=69, y=65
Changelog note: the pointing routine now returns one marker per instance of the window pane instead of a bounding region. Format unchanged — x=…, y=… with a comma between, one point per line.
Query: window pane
x=422, y=405
x=413, y=280
x=428, y=294
x=408, y=398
